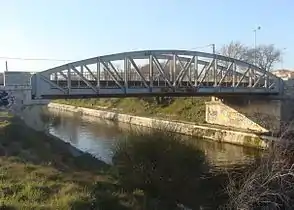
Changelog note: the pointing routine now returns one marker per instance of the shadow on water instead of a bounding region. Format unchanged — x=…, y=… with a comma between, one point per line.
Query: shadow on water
x=171, y=171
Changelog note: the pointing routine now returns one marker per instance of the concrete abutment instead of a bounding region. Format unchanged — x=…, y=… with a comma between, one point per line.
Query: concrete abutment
x=260, y=115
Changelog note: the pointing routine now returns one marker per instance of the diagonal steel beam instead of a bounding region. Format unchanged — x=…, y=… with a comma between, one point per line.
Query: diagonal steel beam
x=115, y=71
x=161, y=71
x=138, y=71
x=84, y=79
x=186, y=70
x=202, y=70
x=258, y=80
x=63, y=74
x=226, y=73
x=111, y=74
x=206, y=71
x=243, y=76
x=164, y=66
x=90, y=72
x=272, y=85
x=52, y=83
x=183, y=69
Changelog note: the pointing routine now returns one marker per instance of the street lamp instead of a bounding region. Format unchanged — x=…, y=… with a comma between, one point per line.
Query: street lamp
x=255, y=31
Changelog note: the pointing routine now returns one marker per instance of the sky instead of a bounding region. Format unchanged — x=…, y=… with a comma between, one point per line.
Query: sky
x=78, y=29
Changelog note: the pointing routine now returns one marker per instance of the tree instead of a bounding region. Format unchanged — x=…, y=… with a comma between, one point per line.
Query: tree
x=234, y=50
x=264, y=56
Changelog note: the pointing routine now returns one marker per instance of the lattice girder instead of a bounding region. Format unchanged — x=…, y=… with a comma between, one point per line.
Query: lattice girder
x=153, y=71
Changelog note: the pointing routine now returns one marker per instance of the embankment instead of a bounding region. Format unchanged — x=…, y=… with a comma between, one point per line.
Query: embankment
x=191, y=109
x=39, y=171
x=187, y=128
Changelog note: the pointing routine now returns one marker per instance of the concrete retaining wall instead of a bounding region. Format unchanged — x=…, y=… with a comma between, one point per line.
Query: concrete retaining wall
x=241, y=113
x=217, y=134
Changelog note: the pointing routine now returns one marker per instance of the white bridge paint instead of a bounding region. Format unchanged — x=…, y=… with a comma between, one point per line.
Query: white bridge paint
x=181, y=71
x=24, y=85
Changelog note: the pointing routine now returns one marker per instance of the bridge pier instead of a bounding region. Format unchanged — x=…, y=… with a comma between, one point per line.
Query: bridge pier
x=257, y=115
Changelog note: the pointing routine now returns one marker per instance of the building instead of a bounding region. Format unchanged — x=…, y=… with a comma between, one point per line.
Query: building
x=284, y=74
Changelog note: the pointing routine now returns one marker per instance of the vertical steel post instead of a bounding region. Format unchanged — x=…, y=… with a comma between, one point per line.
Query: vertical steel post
x=170, y=70
x=250, y=76
x=69, y=79
x=126, y=73
x=234, y=74
x=174, y=68
x=196, y=71
x=150, y=73
x=98, y=74
x=215, y=65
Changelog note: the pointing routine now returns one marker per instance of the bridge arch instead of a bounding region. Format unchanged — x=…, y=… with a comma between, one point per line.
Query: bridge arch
x=179, y=72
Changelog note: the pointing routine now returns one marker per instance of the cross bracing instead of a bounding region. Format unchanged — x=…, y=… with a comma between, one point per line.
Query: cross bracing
x=154, y=72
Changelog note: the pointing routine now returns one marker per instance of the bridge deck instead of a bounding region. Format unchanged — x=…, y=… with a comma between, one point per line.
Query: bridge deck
x=139, y=84
x=170, y=94
x=79, y=89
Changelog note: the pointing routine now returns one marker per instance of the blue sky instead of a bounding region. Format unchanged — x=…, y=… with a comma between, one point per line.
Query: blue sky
x=78, y=29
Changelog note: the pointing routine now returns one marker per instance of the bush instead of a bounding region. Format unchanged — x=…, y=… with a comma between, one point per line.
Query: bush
x=167, y=169
x=268, y=184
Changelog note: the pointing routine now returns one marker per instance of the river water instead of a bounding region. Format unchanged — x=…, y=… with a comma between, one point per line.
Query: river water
x=99, y=137
x=177, y=172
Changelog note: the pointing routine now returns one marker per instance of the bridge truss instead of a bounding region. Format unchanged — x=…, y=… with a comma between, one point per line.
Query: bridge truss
x=155, y=72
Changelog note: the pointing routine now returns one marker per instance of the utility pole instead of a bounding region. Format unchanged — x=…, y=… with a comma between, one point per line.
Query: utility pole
x=255, y=32
x=213, y=48
x=6, y=66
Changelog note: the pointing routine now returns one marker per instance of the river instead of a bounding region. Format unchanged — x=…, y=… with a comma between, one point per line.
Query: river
x=99, y=137
x=171, y=169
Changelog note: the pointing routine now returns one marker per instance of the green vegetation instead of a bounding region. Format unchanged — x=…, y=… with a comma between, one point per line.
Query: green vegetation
x=183, y=109
x=151, y=170
x=39, y=172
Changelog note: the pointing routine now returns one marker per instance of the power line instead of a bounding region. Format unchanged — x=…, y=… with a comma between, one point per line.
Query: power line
x=34, y=59
x=204, y=46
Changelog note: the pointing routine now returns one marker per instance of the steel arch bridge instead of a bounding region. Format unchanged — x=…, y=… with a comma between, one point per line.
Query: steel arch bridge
x=155, y=72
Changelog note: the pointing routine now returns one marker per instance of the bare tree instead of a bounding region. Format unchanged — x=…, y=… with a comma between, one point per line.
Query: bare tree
x=264, y=56
x=234, y=50
x=269, y=184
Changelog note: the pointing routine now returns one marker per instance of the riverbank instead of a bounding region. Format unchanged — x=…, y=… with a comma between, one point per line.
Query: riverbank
x=191, y=109
x=38, y=171
x=187, y=128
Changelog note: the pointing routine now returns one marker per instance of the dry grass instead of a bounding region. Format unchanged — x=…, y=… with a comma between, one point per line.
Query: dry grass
x=268, y=184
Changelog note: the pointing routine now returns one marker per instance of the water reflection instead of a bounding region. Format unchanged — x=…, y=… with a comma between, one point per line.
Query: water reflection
x=169, y=171
x=99, y=137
